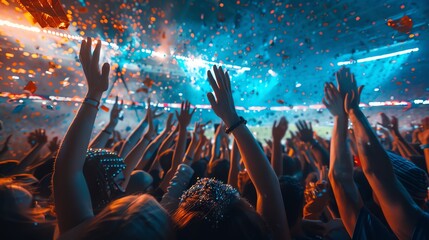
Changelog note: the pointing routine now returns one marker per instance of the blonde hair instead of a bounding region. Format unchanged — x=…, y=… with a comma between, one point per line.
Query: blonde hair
x=130, y=217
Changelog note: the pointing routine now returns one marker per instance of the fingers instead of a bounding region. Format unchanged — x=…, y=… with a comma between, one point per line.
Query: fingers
x=105, y=70
x=219, y=77
x=82, y=55
x=360, y=91
x=96, y=57
x=87, y=52
x=228, y=82
x=213, y=83
x=211, y=99
x=347, y=101
x=325, y=103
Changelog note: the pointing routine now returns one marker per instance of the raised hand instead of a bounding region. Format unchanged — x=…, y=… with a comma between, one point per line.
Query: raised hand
x=347, y=86
x=185, y=115
x=333, y=100
x=222, y=101
x=116, y=111
x=152, y=111
x=197, y=131
x=38, y=136
x=391, y=124
x=169, y=123
x=279, y=129
x=54, y=144
x=97, y=82
x=305, y=131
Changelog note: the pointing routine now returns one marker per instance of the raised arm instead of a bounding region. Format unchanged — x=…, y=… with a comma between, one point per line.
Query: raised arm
x=202, y=139
x=270, y=202
x=137, y=133
x=103, y=136
x=40, y=140
x=135, y=155
x=166, y=144
x=215, y=150
x=72, y=199
x=53, y=147
x=234, y=166
x=154, y=145
x=189, y=155
x=184, y=119
x=341, y=164
x=397, y=205
x=393, y=127
x=278, y=132
x=306, y=134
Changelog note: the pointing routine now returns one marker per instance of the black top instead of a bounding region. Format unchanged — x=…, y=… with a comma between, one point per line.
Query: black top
x=368, y=227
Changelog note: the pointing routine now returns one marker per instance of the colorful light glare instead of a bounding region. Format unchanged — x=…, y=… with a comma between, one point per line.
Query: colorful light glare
x=378, y=57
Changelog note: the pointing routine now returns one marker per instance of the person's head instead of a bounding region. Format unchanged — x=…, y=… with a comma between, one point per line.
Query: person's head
x=131, y=217
x=219, y=170
x=140, y=182
x=249, y=193
x=213, y=210
x=293, y=199
x=290, y=166
x=103, y=172
x=16, y=202
x=199, y=168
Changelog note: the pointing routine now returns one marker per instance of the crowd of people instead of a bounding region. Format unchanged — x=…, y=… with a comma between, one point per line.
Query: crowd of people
x=178, y=184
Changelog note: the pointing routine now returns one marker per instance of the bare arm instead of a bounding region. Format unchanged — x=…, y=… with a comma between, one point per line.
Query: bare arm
x=215, y=151
x=133, y=158
x=189, y=155
x=71, y=194
x=270, y=202
x=103, y=136
x=306, y=134
x=153, y=146
x=392, y=125
x=41, y=139
x=341, y=166
x=278, y=132
x=234, y=166
x=133, y=138
x=399, y=209
x=164, y=146
x=184, y=119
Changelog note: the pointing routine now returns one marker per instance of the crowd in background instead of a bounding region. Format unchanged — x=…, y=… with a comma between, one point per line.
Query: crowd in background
x=168, y=182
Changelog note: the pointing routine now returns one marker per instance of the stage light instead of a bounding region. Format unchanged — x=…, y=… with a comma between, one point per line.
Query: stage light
x=378, y=57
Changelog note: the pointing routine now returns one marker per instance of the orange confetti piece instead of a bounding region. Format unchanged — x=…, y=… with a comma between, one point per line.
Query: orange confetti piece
x=104, y=108
x=30, y=87
x=403, y=25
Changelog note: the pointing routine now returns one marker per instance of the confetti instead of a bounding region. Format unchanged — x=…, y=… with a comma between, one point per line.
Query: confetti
x=30, y=87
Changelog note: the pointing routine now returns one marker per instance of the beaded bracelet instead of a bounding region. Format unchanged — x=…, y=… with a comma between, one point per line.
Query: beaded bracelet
x=235, y=125
x=91, y=102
